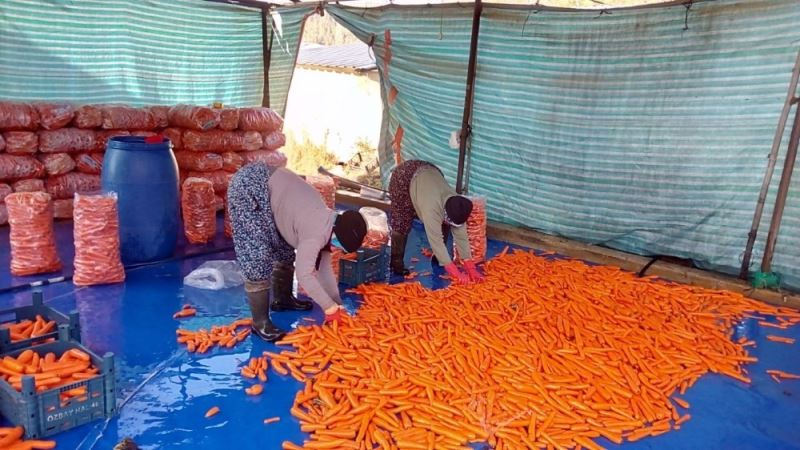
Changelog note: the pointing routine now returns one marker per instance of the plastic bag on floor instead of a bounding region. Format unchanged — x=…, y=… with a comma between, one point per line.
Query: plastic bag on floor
x=67, y=140
x=29, y=185
x=215, y=275
x=119, y=117
x=259, y=119
x=231, y=162
x=57, y=163
x=21, y=142
x=476, y=230
x=13, y=167
x=219, y=141
x=91, y=163
x=199, y=210
x=88, y=116
x=67, y=185
x=33, y=243
x=377, y=227
x=96, y=234
x=53, y=116
x=62, y=209
x=18, y=116
x=199, y=161
x=193, y=117
x=228, y=119
x=273, y=140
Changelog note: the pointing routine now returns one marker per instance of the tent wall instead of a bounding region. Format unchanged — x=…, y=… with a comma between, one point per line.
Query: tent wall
x=621, y=129
x=287, y=30
x=142, y=52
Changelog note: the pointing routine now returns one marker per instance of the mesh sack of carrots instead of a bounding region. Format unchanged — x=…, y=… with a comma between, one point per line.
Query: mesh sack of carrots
x=33, y=243
x=12, y=438
x=326, y=187
x=377, y=227
x=96, y=234
x=199, y=210
x=53, y=116
x=193, y=117
x=49, y=371
x=543, y=354
x=476, y=230
x=271, y=158
x=16, y=166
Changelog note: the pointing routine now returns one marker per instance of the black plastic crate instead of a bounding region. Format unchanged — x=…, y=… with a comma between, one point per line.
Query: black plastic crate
x=370, y=266
x=44, y=414
x=14, y=315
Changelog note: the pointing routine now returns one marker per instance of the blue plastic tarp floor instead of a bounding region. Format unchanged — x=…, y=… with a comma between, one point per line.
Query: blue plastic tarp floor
x=163, y=391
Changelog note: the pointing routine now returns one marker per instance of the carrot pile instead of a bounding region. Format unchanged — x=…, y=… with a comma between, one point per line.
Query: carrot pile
x=476, y=230
x=256, y=368
x=13, y=439
x=49, y=371
x=27, y=329
x=203, y=340
x=543, y=354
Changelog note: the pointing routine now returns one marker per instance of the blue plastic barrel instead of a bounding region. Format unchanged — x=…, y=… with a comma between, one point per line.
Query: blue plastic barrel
x=145, y=177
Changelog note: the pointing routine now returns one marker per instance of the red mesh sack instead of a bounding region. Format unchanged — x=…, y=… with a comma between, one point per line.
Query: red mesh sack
x=67, y=185
x=219, y=203
x=231, y=162
x=219, y=178
x=160, y=115
x=199, y=210
x=193, y=117
x=57, y=163
x=326, y=188
x=228, y=228
x=33, y=243
x=219, y=141
x=2, y=143
x=13, y=167
x=96, y=233
x=201, y=162
x=476, y=230
x=88, y=116
x=101, y=138
x=3, y=214
x=29, y=185
x=62, y=209
x=91, y=163
x=228, y=119
x=273, y=140
x=174, y=136
x=271, y=158
x=21, y=142
x=5, y=191
x=18, y=116
x=259, y=119
x=118, y=117
x=67, y=140
x=53, y=116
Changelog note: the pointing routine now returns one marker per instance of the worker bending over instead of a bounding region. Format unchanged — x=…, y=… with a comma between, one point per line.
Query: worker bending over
x=273, y=212
x=418, y=189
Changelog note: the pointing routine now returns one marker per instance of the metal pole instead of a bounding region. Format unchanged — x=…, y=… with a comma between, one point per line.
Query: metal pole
x=266, y=42
x=773, y=157
x=466, y=120
x=783, y=192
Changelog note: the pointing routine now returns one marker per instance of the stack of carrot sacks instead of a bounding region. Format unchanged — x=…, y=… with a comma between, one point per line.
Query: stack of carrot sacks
x=543, y=354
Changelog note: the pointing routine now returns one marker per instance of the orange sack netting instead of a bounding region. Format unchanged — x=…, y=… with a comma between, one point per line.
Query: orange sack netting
x=476, y=230
x=21, y=142
x=193, y=117
x=14, y=167
x=91, y=163
x=96, y=233
x=57, y=163
x=66, y=140
x=199, y=210
x=377, y=227
x=53, y=116
x=543, y=354
x=271, y=158
x=33, y=243
x=259, y=119
x=120, y=117
x=326, y=187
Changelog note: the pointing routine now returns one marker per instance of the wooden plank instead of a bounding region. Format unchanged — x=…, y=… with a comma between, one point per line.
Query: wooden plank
x=602, y=255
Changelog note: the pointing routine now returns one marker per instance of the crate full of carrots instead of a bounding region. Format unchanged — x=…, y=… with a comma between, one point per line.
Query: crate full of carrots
x=26, y=326
x=364, y=266
x=53, y=387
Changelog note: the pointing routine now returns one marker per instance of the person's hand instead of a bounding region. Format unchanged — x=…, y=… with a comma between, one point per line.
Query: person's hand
x=457, y=275
x=472, y=272
x=335, y=314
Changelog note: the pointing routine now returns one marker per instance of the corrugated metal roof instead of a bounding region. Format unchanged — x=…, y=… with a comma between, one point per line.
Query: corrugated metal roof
x=352, y=57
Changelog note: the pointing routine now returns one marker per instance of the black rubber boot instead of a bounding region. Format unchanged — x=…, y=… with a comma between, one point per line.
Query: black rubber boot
x=262, y=325
x=398, y=254
x=283, y=299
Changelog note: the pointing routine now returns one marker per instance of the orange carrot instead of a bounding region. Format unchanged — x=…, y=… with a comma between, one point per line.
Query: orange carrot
x=271, y=420
x=212, y=412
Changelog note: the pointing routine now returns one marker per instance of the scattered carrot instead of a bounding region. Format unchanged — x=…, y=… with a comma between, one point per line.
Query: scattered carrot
x=203, y=340
x=426, y=252
x=545, y=353
x=780, y=339
x=783, y=375
x=271, y=420
x=411, y=276
x=186, y=311
x=255, y=389
x=212, y=412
